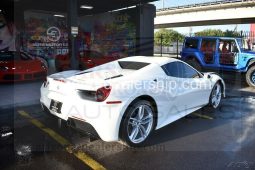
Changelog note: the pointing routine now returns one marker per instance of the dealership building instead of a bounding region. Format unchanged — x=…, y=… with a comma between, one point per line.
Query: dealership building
x=59, y=27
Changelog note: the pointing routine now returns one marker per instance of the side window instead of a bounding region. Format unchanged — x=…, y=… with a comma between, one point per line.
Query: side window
x=191, y=43
x=228, y=50
x=227, y=46
x=208, y=45
x=189, y=72
x=173, y=69
x=233, y=47
x=179, y=70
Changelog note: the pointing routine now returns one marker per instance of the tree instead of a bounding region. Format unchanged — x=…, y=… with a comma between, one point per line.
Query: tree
x=210, y=32
x=229, y=33
x=218, y=33
x=167, y=36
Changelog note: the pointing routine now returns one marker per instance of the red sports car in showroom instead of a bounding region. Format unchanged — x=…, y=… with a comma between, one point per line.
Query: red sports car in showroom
x=19, y=66
x=87, y=59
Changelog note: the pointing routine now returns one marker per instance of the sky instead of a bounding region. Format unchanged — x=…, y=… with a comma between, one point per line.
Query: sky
x=173, y=3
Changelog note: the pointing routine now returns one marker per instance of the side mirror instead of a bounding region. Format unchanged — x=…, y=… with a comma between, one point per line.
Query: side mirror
x=209, y=76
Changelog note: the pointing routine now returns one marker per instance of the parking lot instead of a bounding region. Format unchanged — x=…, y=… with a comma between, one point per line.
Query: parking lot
x=107, y=68
x=222, y=139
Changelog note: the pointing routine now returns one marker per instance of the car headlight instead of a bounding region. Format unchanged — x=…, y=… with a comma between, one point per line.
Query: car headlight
x=4, y=68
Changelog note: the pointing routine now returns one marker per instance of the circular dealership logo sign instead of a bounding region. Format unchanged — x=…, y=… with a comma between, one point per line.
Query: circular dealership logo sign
x=53, y=34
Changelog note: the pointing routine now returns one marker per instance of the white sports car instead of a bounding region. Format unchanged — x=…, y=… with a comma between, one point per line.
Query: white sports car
x=129, y=98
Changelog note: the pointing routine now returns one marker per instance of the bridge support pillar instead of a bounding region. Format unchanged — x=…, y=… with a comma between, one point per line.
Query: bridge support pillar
x=145, y=29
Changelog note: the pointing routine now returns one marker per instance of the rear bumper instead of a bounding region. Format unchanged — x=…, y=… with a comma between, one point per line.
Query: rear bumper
x=104, y=118
x=83, y=126
x=76, y=124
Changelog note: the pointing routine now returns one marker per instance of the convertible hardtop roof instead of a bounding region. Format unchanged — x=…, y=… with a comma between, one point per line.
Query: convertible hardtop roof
x=149, y=59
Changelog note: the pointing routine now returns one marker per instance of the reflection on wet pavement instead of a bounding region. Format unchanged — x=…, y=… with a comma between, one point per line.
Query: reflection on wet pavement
x=222, y=139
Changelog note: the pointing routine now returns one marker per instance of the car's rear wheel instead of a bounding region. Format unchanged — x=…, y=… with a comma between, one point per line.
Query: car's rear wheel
x=250, y=76
x=216, y=96
x=194, y=63
x=138, y=123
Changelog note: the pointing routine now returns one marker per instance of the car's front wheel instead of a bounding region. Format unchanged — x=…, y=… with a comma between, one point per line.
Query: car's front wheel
x=216, y=96
x=250, y=76
x=138, y=123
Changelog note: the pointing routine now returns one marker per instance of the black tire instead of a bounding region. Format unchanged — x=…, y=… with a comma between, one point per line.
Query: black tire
x=250, y=76
x=211, y=104
x=194, y=63
x=125, y=123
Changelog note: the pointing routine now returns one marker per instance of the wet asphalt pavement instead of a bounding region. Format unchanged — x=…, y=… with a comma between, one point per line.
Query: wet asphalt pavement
x=206, y=139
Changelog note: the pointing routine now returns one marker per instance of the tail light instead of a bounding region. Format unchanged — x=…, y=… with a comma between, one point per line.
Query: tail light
x=102, y=93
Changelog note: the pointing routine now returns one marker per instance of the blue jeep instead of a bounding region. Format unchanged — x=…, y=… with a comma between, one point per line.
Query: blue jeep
x=220, y=53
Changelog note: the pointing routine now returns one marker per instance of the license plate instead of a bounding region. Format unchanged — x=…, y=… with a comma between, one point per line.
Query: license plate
x=55, y=106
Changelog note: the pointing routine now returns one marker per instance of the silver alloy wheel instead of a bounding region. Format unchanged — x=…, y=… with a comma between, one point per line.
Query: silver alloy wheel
x=253, y=77
x=140, y=124
x=216, y=95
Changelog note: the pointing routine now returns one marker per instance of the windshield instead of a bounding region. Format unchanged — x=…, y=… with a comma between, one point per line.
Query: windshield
x=11, y=56
x=243, y=44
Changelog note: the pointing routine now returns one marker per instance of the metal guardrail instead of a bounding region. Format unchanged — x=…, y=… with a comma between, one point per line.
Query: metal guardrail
x=203, y=4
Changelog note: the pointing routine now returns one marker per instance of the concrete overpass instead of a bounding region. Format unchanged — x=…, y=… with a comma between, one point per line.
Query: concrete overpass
x=212, y=13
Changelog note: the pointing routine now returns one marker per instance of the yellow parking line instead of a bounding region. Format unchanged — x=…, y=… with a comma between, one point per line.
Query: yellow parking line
x=63, y=142
x=203, y=116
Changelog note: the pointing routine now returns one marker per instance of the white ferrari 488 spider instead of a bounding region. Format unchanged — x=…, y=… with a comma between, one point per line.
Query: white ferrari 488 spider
x=129, y=98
